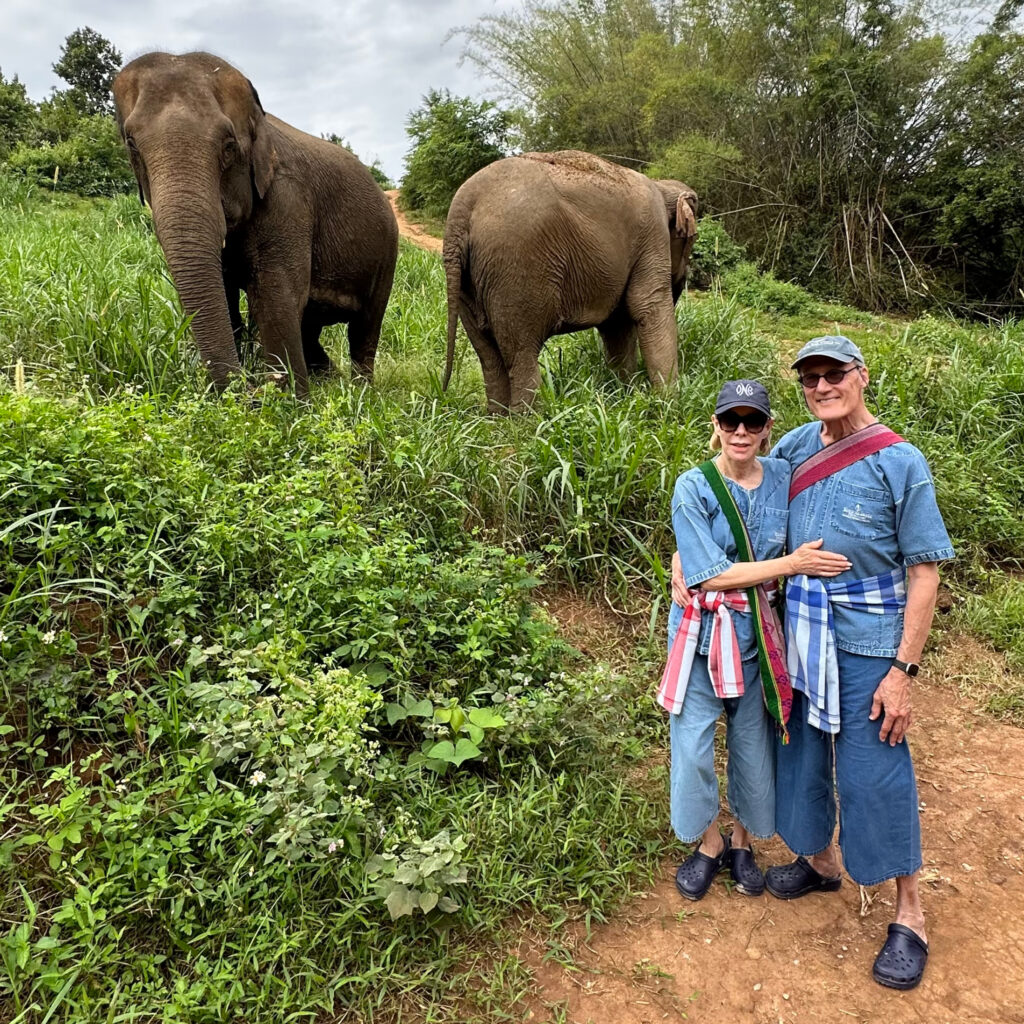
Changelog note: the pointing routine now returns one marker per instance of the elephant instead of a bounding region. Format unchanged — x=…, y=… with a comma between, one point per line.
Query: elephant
x=548, y=243
x=243, y=201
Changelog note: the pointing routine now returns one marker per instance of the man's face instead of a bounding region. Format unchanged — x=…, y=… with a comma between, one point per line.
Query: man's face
x=831, y=402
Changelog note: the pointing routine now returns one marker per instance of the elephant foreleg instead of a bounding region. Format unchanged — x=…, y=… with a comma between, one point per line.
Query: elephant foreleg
x=276, y=310
x=618, y=333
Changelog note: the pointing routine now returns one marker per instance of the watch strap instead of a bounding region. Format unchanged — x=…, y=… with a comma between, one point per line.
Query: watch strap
x=910, y=668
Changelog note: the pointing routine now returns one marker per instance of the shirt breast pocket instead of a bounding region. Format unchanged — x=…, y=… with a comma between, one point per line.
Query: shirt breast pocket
x=772, y=535
x=863, y=512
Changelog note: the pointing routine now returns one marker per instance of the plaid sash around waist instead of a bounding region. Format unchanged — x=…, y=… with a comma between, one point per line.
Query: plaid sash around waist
x=811, y=639
x=725, y=666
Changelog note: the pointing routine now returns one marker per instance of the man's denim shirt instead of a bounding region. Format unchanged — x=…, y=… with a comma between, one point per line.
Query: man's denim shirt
x=706, y=545
x=881, y=513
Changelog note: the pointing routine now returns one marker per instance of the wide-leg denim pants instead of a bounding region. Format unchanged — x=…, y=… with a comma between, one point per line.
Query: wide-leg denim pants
x=750, y=771
x=879, y=823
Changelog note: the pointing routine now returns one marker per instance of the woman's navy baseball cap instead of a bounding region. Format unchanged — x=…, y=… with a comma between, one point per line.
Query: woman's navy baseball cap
x=751, y=393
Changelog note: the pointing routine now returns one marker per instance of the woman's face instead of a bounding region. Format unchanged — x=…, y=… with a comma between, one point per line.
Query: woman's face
x=740, y=432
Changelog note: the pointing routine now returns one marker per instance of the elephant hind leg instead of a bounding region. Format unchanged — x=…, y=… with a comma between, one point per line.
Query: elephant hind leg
x=496, y=379
x=363, y=339
x=618, y=333
x=524, y=375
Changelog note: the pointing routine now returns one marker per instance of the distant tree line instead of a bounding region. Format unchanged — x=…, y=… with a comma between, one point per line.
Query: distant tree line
x=850, y=145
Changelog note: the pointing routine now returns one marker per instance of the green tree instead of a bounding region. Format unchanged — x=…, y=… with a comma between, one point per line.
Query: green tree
x=17, y=113
x=453, y=137
x=88, y=62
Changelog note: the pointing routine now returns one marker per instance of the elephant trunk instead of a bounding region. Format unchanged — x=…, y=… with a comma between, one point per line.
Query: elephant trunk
x=190, y=225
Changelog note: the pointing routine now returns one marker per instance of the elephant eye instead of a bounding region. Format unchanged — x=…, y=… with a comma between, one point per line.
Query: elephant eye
x=130, y=143
x=229, y=151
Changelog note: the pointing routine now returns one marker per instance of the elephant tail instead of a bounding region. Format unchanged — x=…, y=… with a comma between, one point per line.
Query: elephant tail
x=453, y=264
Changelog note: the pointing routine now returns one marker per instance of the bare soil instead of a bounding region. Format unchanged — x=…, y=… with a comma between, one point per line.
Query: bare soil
x=409, y=231
x=732, y=958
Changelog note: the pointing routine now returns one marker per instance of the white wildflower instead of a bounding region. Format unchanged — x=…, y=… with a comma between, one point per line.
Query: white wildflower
x=258, y=777
x=49, y=637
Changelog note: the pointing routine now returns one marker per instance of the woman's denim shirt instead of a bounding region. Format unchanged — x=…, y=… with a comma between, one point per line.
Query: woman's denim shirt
x=705, y=541
x=881, y=513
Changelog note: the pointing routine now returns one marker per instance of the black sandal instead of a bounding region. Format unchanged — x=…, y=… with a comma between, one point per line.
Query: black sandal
x=901, y=960
x=697, y=872
x=789, y=881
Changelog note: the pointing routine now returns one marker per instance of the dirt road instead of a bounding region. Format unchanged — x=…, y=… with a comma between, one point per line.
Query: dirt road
x=412, y=232
x=731, y=958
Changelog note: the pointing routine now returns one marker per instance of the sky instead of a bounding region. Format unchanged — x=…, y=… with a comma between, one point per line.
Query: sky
x=355, y=67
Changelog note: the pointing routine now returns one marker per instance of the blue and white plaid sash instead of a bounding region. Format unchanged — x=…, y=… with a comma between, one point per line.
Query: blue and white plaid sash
x=811, y=639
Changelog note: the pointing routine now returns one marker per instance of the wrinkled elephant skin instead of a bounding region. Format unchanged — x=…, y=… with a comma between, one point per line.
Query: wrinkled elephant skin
x=243, y=201
x=548, y=243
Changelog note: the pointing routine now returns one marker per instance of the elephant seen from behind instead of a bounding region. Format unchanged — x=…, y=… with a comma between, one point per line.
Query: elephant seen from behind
x=244, y=201
x=548, y=243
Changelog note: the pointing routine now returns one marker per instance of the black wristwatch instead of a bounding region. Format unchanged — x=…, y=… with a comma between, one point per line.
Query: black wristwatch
x=911, y=668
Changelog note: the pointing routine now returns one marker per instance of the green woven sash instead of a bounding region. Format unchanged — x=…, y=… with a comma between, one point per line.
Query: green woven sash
x=778, y=693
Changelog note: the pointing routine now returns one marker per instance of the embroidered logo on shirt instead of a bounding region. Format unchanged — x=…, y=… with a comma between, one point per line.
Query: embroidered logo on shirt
x=857, y=514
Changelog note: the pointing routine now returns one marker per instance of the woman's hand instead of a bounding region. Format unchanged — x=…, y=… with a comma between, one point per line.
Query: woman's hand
x=680, y=593
x=810, y=560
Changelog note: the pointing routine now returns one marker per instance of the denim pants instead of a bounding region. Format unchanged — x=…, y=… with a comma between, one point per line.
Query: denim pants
x=750, y=739
x=879, y=824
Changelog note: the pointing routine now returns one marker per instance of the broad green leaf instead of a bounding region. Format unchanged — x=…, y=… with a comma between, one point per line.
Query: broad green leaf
x=458, y=719
x=447, y=905
x=486, y=719
x=396, y=713
x=476, y=734
x=400, y=902
x=445, y=751
x=428, y=900
x=421, y=708
x=407, y=874
x=464, y=750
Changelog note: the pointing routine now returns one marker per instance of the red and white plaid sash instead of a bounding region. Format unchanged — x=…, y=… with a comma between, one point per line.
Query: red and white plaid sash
x=724, y=663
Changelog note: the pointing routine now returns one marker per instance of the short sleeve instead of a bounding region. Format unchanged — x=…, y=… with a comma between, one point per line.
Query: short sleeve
x=700, y=555
x=920, y=531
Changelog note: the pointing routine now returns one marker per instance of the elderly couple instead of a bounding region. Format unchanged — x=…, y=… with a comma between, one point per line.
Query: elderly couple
x=826, y=710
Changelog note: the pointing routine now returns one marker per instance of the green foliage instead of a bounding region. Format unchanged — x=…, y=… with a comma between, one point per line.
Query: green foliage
x=16, y=114
x=418, y=877
x=453, y=137
x=88, y=62
x=998, y=615
x=714, y=253
x=764, y=292
x=89, y=160
x=850, y=147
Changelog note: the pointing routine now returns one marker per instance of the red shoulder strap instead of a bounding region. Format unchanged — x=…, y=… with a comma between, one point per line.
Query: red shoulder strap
x=835, y=457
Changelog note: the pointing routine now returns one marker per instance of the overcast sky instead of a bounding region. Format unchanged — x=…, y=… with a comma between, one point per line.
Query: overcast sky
x=355, y=67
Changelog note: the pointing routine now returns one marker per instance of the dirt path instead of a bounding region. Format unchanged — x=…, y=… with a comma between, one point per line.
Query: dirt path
x=730, y=958
x=412, y=232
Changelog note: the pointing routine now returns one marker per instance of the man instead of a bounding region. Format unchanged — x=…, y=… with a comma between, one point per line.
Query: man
x=853, y=647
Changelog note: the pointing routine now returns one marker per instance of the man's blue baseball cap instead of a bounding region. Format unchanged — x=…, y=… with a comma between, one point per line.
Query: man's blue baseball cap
x=829, y=346
x=735, y=393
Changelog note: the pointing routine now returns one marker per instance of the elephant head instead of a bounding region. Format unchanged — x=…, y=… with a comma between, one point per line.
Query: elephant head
x=201, y=151
x=681, y=211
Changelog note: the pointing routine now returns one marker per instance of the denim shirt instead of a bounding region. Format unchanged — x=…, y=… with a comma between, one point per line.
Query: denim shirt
x=881, y=513
x=706, y=545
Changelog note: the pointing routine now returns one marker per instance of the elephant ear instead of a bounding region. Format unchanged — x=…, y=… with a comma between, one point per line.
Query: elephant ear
x=686, y=222
x=263, y=158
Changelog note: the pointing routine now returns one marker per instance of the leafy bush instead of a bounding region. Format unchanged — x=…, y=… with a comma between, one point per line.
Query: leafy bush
x=92, y=161
x=763, y=291
x=453, y=138
x=714, y=253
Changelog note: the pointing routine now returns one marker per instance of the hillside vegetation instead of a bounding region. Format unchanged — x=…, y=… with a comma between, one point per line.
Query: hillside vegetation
x=288, y=733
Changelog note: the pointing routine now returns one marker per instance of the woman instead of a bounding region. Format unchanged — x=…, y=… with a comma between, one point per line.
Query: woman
x=729, y=517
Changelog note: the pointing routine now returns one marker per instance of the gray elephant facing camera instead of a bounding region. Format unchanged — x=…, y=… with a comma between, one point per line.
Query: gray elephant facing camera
x=548, y=243
x=242, y=200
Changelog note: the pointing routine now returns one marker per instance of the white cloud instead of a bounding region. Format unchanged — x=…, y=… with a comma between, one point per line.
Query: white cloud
x=356, y=68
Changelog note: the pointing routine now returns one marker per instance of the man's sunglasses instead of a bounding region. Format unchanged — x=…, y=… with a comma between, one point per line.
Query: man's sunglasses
x=755, y=422
x=810, y=380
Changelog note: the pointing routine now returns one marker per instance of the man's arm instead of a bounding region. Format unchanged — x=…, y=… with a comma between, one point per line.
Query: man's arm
x=893, y=693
